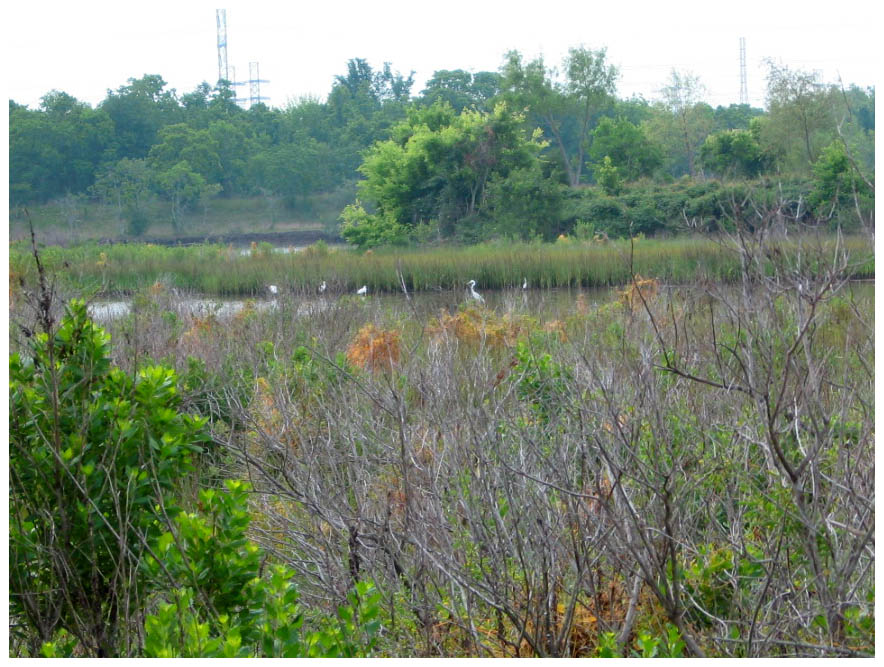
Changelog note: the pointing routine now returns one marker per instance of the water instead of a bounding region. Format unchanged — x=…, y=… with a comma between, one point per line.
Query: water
x=545, y=303
x=552, y=303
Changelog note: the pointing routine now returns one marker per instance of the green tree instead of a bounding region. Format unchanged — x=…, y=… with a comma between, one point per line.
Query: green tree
x=222, y=604
x=292, y=170
x=608, y=176
x=179, y=142
x=195, y=105
x=182, y=187
x=636, y=110
x=629, y=150
x=125, y=185
x=461, y=89
x=381, y=85
x=800, y=119
x=591, y=84
x=233, y=148
x=362, y=107
x=836, y=182
x=35, y=162
x=56, y=149
x=733, y=153
x=524, y=204
x=366, y=230
x=138, y=110
x=222, y=103
x=689, y=120
x=438, y=163
x=735, y=116
x=566, y=109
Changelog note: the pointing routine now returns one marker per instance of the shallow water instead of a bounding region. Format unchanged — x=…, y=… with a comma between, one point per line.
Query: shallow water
x=545, y=303
x=551, y=302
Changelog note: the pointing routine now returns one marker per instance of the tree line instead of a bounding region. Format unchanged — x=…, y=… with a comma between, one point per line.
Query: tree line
x=472, y=155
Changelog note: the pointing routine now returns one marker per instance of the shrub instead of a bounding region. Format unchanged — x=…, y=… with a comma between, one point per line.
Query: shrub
x=96, y=460
x=137, y=221
x=366, y=230
x=375, y=349
x=224, y=606
x=524, y=204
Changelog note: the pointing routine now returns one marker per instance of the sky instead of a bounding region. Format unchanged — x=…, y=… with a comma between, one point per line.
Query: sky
x=86, y=48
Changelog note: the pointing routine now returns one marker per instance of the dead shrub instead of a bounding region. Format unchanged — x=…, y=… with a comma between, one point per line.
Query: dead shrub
x=472, y=325
x=375, y=349
x=640, y=290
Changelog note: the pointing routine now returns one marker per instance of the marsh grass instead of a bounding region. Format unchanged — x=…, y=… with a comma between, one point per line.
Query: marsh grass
x=224, y=271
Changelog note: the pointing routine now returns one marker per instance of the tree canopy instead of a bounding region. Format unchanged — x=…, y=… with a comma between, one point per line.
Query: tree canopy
x=425, y=157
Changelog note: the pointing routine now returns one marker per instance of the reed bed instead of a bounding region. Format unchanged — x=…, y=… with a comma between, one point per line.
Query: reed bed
x=226, y=271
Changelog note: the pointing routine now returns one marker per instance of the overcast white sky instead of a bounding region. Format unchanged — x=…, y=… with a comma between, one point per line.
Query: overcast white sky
x=84, y=48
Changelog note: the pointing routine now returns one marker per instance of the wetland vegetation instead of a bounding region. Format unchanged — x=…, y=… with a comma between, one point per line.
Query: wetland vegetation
x=685, y=471
x=662, y=446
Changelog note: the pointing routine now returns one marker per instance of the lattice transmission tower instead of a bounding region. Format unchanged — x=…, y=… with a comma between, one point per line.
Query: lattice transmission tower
x=255, y=85
x=744, y=87
x=221, y=21
x=225, y=72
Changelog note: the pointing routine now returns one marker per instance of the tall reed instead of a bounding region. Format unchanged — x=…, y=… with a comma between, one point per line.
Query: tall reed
x=226, y=271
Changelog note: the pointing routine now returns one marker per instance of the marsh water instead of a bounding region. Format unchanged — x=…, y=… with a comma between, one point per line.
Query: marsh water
x=548, y=303
x=551, y=302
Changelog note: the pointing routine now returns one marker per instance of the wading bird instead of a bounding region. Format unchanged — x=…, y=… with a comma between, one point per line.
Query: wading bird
x=474, y=293
x=525, y=283
x=322, y=287
x=273, y=289
x=362, y=291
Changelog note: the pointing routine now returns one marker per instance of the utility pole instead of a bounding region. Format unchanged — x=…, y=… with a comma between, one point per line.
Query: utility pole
x=744, y=88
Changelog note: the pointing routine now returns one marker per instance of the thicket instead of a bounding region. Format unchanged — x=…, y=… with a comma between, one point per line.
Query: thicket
x=121, y=543
x=668, y=472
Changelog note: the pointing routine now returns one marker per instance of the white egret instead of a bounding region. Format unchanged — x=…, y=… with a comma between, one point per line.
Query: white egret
x=322, y=287
x=362, y=291
x=273, y=289
x=474, y=293
x=525, y=283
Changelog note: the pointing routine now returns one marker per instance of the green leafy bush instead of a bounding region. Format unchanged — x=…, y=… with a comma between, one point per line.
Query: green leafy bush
x=366, y=230
x=96, y=462
x=221, y=605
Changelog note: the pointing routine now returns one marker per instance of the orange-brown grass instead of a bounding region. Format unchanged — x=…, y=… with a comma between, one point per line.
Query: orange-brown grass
x=582, y=306
x=556, y=327
x=473, y=324
x=610, y=603
x=374, y=349
x=640, y=290
x=199, y=334
x=268, y=417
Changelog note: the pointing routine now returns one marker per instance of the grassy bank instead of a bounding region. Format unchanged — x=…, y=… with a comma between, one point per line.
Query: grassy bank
x=77, y=220
x=224, y=271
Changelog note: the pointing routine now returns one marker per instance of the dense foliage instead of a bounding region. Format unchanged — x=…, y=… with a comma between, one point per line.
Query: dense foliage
x=102, y=465
x=473, y=156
